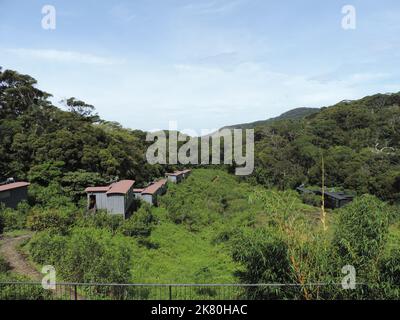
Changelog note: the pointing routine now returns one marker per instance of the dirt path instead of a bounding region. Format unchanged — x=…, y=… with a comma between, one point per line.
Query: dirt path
x=18, y=263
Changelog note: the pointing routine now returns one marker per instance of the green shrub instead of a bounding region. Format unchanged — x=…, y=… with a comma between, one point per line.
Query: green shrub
x=41, y=219
x=86, y=255
x=94, y=255
x=311, y=199
x=103, y=220
x=4, y=265
x=139, y=224
x=14, y=219
x=361, y=235
x=265, y=259
x=390, y=274
x=47, y=248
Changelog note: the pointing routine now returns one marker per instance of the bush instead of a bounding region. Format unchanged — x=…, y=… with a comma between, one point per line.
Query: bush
x=361, y=235
x=58, y=220
x=14, y=219
x=139, y=224
x=47, y=248
x=311, y=199
x=390, y=274
x=4, y=265
x=87, y=255
x=264, y=256
x=94, y=255
x=103, y=220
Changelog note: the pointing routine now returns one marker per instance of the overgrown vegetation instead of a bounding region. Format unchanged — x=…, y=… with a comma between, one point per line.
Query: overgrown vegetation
x=214, y=227
x=238, y=233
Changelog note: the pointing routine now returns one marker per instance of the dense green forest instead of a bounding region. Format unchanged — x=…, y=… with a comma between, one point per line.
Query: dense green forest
x=294, y=114
x=214, y=227
x=359, y=140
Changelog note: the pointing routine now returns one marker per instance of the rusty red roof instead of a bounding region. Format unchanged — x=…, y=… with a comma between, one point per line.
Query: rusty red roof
x=121, y=187
x=176, y=173
x=12, y=186
x=97, y=189
x=153, y=188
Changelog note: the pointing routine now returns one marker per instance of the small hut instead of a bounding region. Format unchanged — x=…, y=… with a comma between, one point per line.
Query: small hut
x=11, y=194
x=117, y=198
x=151, y=193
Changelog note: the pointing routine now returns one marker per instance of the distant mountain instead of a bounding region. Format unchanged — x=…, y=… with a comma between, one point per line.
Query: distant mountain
x=294, y=114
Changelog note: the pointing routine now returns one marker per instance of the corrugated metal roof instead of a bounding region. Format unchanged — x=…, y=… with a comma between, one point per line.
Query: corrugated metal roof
x=138, y=190
x=153, y=188
x=97, y=189
x=121, y=187
x=176, y=173
x=12, y=186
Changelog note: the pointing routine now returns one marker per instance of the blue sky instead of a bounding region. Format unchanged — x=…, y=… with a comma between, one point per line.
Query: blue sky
x=204, y=63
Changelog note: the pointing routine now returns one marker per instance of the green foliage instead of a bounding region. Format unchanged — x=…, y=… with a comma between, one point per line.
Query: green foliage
x=390, y=274
x=102, y=220
x=48, y=248
x=46, y=173
x=361, y=235
x=86, y=255
x=359, y=140
x=51, y=196
x=207, y=197
x=74, y=183
x=140, y=223
x=4, y=265
x=60, y=150
x=11, y=219
x=265, y=258
x=40, y=219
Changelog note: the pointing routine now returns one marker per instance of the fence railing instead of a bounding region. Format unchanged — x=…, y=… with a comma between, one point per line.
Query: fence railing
x=100, y=291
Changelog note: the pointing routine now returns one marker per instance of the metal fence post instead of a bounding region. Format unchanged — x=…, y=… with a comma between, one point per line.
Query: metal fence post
x=75, y=292
x=170, y=292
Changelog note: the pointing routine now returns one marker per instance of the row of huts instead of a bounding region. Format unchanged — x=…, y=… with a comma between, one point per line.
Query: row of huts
x=119, y=197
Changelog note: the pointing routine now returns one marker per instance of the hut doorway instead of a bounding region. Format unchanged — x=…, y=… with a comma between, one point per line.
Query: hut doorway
x=92, y=202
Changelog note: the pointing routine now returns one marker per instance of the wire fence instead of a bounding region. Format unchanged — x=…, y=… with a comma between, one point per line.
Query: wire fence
x=99, y=291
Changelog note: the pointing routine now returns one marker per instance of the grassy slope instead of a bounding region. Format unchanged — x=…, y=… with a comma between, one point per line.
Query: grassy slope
x=192, y=253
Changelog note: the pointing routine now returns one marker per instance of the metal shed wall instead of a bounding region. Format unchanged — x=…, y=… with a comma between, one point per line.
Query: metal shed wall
x=148, y=198
x=101, y=200
x=116, y=203
x=11, y=198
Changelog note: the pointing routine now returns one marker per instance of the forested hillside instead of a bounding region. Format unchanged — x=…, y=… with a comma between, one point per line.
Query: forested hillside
x=294, y=114
x=64, y=149
x=359, y=140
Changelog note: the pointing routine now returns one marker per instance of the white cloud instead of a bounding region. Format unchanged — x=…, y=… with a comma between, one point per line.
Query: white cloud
x=63, y=56
x=203, y=96
x=213, y=7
